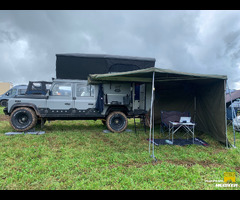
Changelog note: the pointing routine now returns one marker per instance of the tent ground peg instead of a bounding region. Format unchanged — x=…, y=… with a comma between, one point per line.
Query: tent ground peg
x=155, y=159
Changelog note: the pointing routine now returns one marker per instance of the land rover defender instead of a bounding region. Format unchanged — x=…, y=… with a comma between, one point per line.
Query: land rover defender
x=76, y=100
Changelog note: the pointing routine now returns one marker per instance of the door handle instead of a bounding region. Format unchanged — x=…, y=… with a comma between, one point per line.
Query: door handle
x=68, y=104
x=90, y=103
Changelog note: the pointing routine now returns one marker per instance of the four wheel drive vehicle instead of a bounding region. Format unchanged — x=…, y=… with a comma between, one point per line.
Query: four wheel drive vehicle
x=76, y=100
x=16, y=90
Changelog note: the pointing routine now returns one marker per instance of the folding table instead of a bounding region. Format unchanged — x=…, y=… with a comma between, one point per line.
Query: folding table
x=187, y=126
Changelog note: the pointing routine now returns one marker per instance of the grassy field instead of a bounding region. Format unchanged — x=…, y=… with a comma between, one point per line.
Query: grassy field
x=77, y=155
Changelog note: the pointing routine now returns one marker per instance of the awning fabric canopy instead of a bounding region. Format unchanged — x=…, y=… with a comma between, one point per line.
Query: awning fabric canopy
x=145, y=75
x=200, y=94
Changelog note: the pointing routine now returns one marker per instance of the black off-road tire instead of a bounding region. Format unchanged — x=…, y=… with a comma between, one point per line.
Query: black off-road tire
x=117, y=122
x=23, y=119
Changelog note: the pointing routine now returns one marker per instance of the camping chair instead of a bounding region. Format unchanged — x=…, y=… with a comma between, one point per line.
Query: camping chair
x=173, y=116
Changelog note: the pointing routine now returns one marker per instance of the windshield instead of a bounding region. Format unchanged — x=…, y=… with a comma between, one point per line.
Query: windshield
x=11, y=92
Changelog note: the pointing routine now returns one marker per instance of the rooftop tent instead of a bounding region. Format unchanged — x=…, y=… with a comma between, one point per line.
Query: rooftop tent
x=202, y=95
x=79, y=66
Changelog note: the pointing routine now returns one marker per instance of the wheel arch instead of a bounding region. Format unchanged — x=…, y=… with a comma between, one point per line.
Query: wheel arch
x=119, y=108
x=27, y=105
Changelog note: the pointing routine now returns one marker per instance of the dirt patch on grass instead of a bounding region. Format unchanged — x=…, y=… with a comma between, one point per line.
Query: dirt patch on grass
x=189, y=163
x=238, y=169
x=102, y=137
x=4, y=117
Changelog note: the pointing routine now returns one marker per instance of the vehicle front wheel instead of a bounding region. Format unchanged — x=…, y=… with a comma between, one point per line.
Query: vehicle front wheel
x=4, y=103
x=117, y=122
x=23, y=119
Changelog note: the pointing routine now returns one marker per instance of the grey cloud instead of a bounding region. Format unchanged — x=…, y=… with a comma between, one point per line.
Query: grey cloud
x=194, y=41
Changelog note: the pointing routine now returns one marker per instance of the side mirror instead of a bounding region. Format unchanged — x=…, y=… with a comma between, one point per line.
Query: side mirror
x=7, y=94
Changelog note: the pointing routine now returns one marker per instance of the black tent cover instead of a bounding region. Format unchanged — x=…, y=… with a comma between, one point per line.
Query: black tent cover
x=79, y=66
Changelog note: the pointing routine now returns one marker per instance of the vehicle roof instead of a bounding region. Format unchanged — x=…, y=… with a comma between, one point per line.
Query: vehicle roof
x=105, y=56
x=69, y=81
x=19, y=87
x=47, y=82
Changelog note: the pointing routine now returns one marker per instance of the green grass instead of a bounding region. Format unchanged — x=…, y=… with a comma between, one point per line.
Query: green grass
x=75, y=155
x=1, y=111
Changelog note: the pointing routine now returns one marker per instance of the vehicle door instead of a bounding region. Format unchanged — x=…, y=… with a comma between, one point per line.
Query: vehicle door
x=139, y=96
x=61, y=97
x=85, y=96
x=142, y=97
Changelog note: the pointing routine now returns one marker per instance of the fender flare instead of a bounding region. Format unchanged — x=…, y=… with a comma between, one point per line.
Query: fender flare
x=120, y=108
x=29, y=105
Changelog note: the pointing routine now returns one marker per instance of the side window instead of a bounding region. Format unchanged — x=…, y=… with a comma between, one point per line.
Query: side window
x=62, y=89
x=85, y=90
x=21, y=91
x=36, y=86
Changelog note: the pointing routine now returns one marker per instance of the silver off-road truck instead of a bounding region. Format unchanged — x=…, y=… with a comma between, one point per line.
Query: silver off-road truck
x=76, y=100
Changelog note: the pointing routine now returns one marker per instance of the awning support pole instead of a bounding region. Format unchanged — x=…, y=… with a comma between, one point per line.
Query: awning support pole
x=233, y=117
x=151, y=132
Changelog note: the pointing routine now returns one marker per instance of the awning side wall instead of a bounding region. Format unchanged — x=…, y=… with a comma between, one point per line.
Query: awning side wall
x=173, y=96
x=210, y=104
x=211, y=110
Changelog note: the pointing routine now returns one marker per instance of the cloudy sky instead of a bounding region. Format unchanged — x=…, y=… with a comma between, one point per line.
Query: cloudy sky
x=197, y=41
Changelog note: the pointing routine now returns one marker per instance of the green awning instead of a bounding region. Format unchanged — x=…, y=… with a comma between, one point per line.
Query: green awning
x=202, y=95
x=145, y=75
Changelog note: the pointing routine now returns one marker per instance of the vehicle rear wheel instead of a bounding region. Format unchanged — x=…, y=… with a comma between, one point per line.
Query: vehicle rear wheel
x=23, y=119
x=117, y=122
